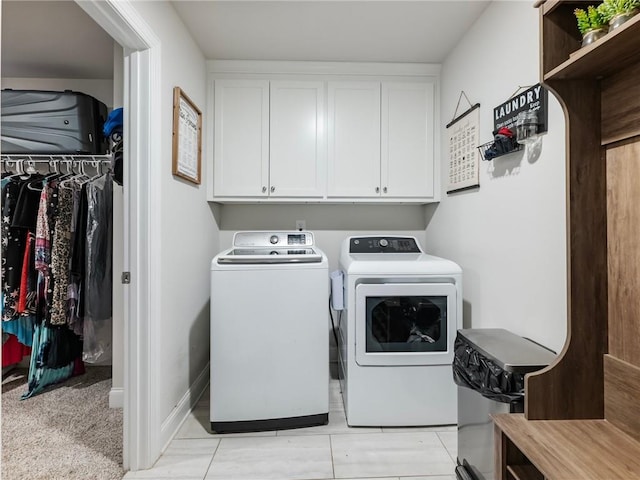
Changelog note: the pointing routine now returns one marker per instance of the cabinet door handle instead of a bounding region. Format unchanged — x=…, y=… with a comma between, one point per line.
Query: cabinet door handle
x=377, y=189
x=264, y=189
x=384, y=189
x=273, y=189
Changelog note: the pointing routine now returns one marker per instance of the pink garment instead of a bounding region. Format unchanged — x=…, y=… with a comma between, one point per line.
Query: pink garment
x=13, y=351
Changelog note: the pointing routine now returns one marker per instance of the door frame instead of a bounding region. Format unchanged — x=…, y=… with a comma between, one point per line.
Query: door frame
x=141, y=48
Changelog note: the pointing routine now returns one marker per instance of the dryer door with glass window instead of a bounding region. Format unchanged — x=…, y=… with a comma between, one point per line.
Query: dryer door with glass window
x=405, y=323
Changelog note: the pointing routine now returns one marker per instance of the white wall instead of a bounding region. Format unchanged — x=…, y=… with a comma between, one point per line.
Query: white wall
x=508, y=236
x=188, y=239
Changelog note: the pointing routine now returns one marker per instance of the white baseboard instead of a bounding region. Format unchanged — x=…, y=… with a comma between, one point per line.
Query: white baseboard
x=182, y=410
x=116, y=397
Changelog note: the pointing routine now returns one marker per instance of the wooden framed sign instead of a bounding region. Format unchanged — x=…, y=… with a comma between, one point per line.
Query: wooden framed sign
x=187, y=137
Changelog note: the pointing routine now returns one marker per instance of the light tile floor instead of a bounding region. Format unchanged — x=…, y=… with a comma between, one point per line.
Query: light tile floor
x=332, y=451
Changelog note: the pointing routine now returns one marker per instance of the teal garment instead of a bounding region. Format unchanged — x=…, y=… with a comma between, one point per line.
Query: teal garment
x=41, y=376
x=22, y=328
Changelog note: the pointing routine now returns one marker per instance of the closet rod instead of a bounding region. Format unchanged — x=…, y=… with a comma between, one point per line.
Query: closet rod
x=25, y=163
x=15, y=157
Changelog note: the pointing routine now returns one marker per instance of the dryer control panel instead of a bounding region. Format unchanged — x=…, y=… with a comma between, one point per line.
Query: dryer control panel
x=384, y=245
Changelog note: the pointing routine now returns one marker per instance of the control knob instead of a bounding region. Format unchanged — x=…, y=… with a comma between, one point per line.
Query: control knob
x=273, y=239
x=384, y=242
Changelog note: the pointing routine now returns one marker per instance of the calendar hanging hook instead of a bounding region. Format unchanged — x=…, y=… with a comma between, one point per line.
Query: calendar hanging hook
x=457, y=117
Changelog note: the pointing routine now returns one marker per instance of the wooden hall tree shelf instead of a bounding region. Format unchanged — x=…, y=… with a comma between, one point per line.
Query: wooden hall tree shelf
x=611, y=54
x=581, y=418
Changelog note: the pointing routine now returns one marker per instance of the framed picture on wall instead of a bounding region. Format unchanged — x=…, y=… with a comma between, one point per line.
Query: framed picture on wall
x=187, y=137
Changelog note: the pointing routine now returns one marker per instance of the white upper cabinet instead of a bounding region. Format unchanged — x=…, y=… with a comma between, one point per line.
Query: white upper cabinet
x=381, y=141
x=354, y=139
x=241, y=132
x=407, y=140
x=297, y=139
x=287, y=132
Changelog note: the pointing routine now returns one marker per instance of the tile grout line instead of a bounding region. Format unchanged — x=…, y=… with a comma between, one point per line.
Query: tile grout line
x=454, y=460
x=211, y=462
x=333, y=467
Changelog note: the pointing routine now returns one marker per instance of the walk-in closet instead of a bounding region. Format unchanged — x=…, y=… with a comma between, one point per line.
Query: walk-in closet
x=62, y=244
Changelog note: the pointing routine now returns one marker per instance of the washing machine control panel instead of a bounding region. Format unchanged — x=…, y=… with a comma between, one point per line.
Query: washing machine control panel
x=384, y=245
x=273, y=239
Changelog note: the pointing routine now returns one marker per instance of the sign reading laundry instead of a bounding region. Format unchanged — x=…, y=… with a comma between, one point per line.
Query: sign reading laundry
x=535, y=98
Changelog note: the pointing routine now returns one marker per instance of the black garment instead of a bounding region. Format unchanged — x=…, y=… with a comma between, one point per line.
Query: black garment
x=26, y=212
x=61, y=348
x=118, y=156
x=13, y=244
x=118, y=167
x=24, y=220
x=78, y=251
x=19, y=214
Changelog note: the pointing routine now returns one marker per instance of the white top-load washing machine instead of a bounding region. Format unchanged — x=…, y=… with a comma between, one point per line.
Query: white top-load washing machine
x=269, y=335
x=403, y=308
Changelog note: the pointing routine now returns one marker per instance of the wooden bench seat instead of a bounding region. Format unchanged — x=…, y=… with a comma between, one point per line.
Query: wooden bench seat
x=564, y=449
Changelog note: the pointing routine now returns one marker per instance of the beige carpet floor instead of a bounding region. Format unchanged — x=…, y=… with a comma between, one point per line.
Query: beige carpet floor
x=68, y=432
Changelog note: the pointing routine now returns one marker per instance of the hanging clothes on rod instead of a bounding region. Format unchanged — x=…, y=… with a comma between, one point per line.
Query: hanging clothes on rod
x=56, y=231
x=18, y=286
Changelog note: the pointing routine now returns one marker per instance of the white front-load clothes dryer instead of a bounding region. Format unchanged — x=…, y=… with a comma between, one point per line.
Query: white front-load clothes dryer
x=269, y=333
x=396, y=335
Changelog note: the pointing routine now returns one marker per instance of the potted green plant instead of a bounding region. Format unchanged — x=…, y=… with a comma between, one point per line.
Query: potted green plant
x=591, y=24
x=616, y=12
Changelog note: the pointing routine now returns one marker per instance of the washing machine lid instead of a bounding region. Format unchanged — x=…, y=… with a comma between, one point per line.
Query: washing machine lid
x=258, y=256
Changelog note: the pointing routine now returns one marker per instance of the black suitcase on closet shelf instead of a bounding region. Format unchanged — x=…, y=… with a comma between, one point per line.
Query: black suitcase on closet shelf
x=42, y=122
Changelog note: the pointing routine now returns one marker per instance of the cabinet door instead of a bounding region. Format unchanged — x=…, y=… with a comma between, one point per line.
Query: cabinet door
x=354, y=139
x=407, y=139
x=241, y=138
x=297, y=139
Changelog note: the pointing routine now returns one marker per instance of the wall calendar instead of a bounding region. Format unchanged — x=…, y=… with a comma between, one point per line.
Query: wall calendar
x=463, y=161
